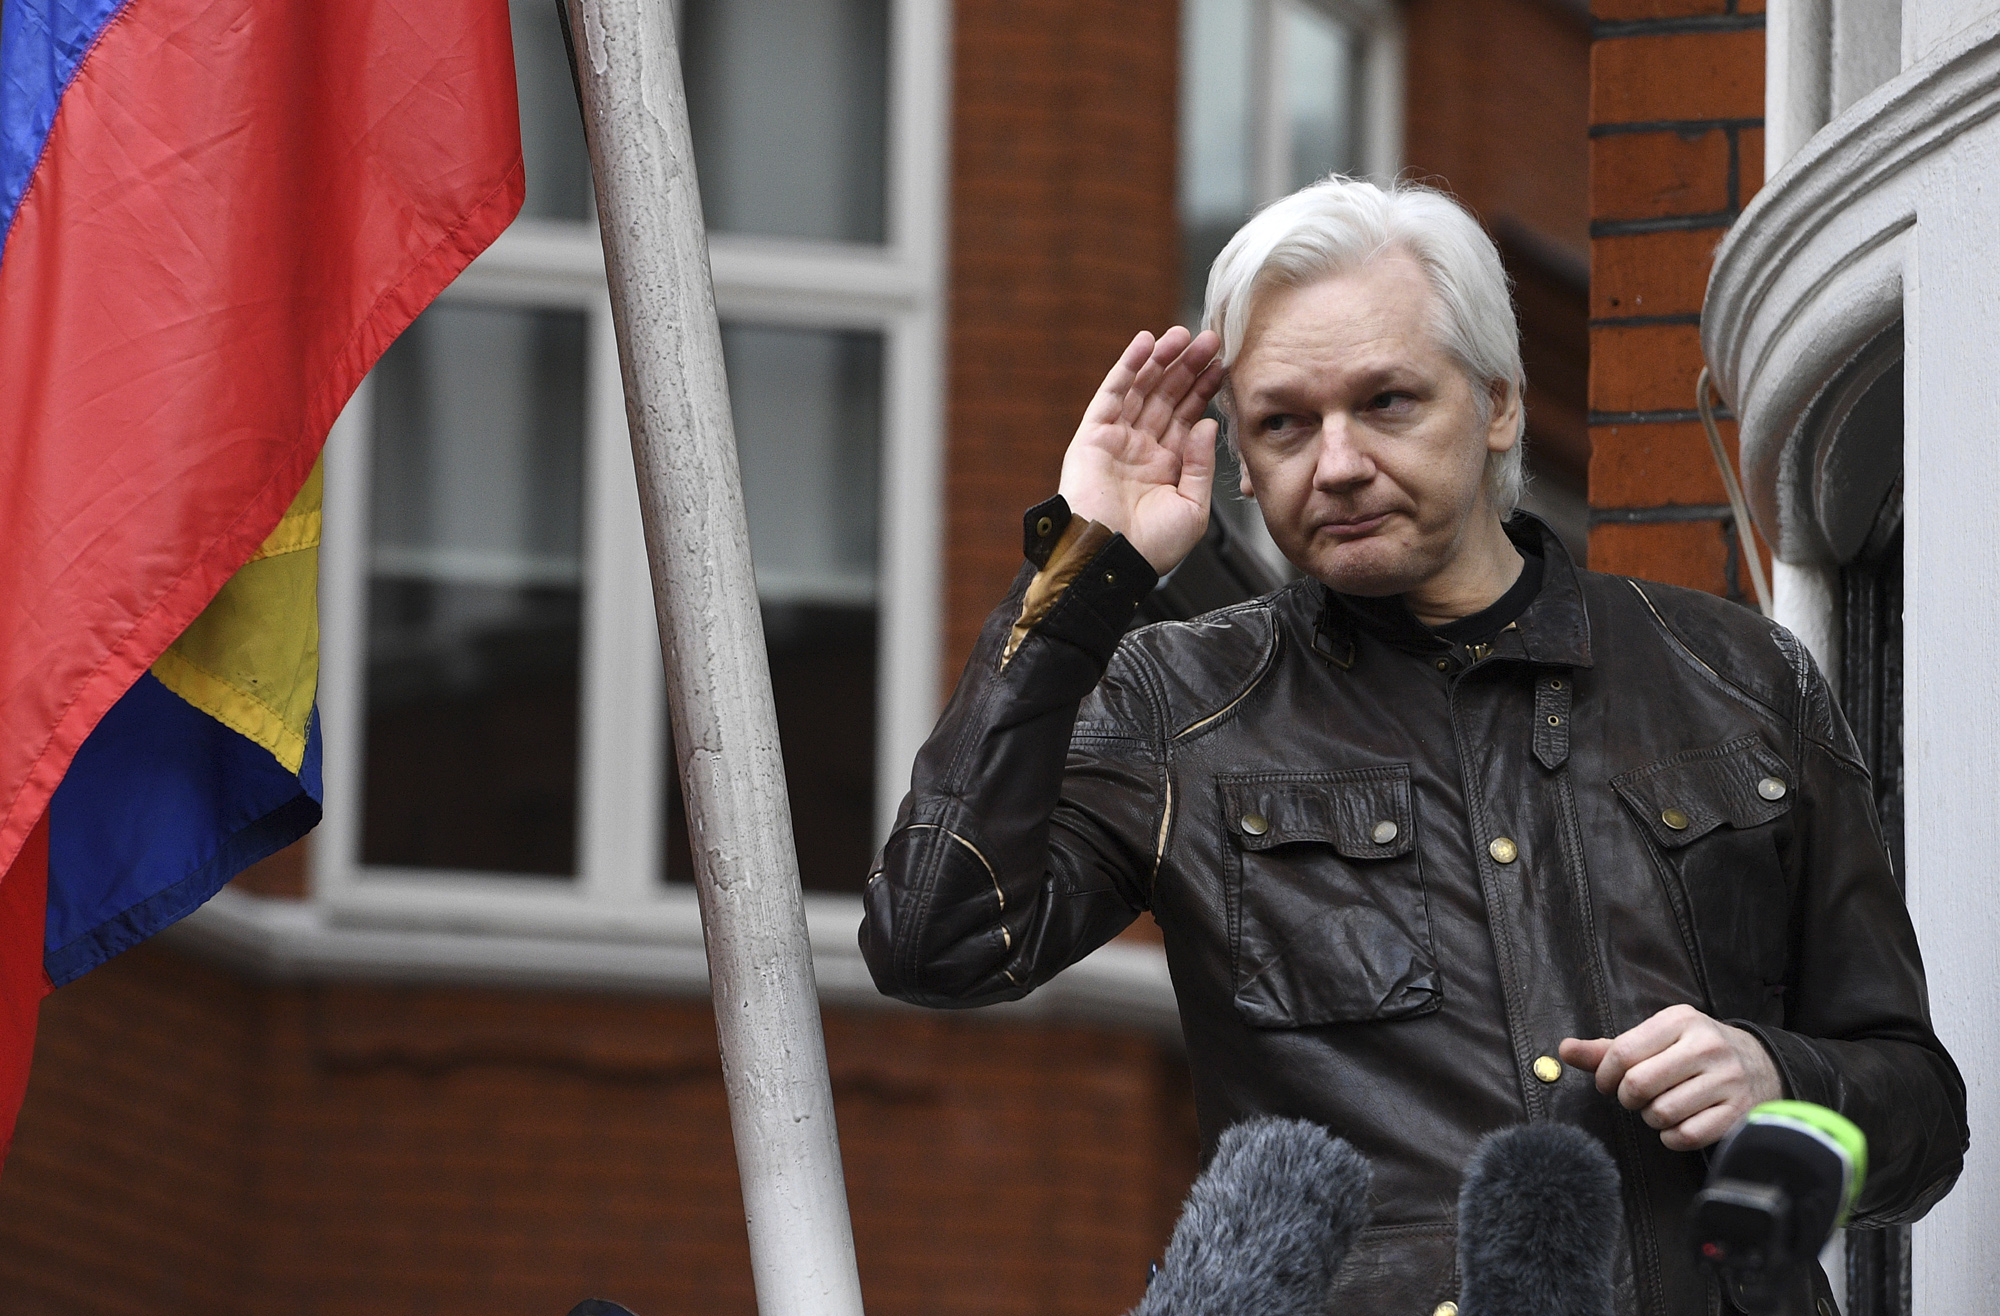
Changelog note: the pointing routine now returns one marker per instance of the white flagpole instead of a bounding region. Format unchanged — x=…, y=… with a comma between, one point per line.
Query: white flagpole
x=712, y=639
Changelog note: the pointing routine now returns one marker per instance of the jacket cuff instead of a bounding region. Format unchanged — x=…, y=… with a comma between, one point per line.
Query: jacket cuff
x=1088, y=584
x=1806, y=1076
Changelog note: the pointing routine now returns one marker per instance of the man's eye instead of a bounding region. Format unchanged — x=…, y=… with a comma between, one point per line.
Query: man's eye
x=1385, y=401
x=1273, y=424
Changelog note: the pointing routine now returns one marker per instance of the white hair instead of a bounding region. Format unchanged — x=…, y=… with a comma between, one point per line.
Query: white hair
x=1339, y=224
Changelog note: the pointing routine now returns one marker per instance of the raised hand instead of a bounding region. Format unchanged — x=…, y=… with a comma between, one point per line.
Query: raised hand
x=1142, y=459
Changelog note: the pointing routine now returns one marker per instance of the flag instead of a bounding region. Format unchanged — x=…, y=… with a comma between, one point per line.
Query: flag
x=214, y=216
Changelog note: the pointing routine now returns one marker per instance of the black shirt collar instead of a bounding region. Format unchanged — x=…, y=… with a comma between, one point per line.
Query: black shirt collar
x=1541, y=617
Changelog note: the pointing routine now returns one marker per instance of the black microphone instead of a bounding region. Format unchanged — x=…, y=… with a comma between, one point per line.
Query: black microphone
x=1777, y=1188
x=1265, y=1227
x=1539, y=1218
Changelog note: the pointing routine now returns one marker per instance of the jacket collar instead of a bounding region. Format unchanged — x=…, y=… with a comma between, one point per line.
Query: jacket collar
x=1553, y=631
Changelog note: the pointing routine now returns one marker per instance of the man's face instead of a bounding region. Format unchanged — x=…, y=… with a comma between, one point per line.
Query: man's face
x=1362, y=440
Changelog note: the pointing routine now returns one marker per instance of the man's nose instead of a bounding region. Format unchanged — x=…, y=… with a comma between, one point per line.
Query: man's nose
x=1343, y=461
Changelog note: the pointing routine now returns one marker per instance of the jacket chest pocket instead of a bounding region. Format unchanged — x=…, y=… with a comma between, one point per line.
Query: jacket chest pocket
x=1718, y=821
x=1327, y=920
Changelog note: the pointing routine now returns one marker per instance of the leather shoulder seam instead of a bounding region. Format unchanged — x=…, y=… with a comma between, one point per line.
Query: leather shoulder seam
x=1683, y=650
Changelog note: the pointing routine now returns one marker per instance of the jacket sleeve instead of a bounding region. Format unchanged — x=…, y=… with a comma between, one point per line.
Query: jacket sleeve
x=1857, y=1035
x=1026, y=840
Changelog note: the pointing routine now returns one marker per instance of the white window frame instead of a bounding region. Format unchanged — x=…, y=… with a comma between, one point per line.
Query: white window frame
x=895, y=289
x=1378, y=24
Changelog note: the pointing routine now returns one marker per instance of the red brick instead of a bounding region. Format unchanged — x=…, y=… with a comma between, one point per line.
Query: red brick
x=1688, y=75
x=1627, y=10
x=1651, y=273
x=1750, y=164
x=1659, y=175
x=1064, y=243
x=283, y=874
x=1497, y=106
x=194, y=1145
x=1644, y=368
x=1690, y=553
x=1750, y=6
x=1656, y=465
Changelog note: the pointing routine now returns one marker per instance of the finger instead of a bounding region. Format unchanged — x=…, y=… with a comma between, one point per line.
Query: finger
x=1197, y=481
x=1654, y=1076
x=1641, y=1043
x=1163, y=401
x=1703, y=1129
x=1584, y=1053
x=1685, y=1100
x=1146, y=384
x=1202, y=392
x=1110, y=397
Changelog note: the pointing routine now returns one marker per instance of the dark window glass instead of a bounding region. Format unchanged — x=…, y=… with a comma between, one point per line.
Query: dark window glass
x=788, y=102
x=1268, y=96
x=475, y=593
x=552, y=148
x=808, y=412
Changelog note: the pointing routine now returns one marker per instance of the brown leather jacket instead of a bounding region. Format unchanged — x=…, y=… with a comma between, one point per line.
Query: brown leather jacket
x=1391, y=881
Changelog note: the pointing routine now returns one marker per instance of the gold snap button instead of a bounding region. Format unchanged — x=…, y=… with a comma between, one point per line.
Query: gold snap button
x=1503, y=850
x=1111, y=578
x=1254, y=824
x=1674, y=818
x=1445, y=1309
x=1385, y=832
x=1444, y=664
x=1043, y=526
x=1548, y=1068
x=1772, y=789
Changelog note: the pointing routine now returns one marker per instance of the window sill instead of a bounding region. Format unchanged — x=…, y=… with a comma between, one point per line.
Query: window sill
x=1123, y=985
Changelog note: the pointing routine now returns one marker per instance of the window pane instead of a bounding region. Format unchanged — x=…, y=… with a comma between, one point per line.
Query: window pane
x=808, y=410
x=1319, y=94
x=788, y=102
x=1218, y=184
x=475, y=593
x=552, y=148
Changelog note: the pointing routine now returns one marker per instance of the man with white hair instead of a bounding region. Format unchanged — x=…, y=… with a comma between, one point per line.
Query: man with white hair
x=1446, y=836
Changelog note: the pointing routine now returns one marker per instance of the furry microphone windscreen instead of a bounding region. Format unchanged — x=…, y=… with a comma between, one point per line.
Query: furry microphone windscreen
x=1538, y=1224
x=1265, y=1226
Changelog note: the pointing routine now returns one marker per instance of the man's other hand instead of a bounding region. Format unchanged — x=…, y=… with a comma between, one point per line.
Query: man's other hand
x=1687, y=1075
x=1142, y=459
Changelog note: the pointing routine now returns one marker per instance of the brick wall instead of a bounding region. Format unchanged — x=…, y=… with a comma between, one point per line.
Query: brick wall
x=1676, y=150
x=1064, y=243
x=196, y=1146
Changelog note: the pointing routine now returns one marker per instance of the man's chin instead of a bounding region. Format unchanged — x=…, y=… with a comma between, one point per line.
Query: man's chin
x=1366, y=568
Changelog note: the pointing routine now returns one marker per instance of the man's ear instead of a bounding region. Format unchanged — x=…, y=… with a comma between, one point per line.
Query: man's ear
x=1504, y=430
x=1243, y=480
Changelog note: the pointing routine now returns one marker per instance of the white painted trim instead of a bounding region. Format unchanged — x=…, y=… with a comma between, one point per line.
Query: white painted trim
x=1123, y=985
x=621, y=791
x=1813, y=271
x=910, y=636
x=343, y=605
x=1884, y=216
x=897, y=290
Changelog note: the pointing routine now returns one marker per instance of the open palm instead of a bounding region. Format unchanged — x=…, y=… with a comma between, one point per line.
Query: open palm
x=1143, y=458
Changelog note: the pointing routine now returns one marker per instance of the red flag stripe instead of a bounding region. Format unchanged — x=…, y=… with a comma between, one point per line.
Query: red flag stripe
x=242, y=202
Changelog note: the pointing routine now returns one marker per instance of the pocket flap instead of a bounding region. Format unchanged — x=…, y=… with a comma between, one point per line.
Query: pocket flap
x=1362, y=814
x=1741, y=783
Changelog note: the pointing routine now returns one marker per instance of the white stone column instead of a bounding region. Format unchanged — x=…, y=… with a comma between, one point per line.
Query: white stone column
x=1951, y=738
